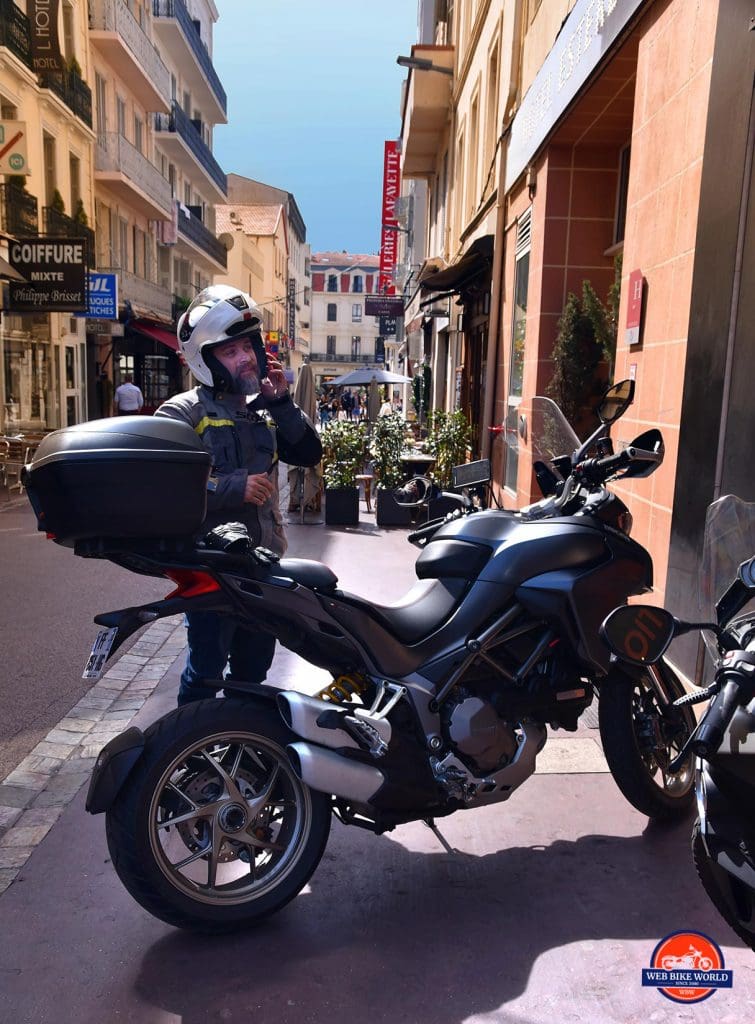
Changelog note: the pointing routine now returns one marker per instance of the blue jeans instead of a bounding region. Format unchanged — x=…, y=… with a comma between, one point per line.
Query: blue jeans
x=216, y=641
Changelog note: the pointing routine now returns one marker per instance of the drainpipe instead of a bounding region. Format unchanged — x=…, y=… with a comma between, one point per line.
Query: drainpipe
x=498, y=270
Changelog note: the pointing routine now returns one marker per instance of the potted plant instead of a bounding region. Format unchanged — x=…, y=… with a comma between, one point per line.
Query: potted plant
x=343, y=452
x=386, y=446
x=447, y=441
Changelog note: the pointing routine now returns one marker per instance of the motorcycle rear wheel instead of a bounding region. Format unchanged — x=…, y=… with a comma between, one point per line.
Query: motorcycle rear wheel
x=707, y=873
x=639, y=742
x=212, y=830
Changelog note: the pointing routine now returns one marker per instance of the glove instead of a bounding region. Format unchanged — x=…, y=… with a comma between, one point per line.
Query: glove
x=265, y=556
x=229, y=537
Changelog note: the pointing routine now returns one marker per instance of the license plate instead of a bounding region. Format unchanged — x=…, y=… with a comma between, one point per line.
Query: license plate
x=100, y=652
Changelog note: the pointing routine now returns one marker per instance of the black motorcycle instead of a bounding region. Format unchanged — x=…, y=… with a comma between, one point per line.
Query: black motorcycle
x=219, y=812
x=723, y=837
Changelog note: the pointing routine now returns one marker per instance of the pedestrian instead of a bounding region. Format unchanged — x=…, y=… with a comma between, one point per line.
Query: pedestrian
x=386, y=408
x=128, y=399
x=245, y=417
x=347, y=403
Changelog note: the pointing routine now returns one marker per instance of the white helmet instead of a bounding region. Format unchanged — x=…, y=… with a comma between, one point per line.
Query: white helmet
x=217, y=314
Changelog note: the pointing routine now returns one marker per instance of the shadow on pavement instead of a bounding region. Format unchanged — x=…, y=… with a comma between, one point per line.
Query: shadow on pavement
x=389, y=934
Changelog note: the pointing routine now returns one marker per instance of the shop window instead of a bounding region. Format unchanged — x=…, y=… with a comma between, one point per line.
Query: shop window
x=622, y=192
x=331, y=345
x=516, y=357
x=332, y=312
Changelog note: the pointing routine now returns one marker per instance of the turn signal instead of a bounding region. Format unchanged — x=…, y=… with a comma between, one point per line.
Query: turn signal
x=624, y=522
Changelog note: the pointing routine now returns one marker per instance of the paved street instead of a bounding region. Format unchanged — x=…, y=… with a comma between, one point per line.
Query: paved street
x=548, y=910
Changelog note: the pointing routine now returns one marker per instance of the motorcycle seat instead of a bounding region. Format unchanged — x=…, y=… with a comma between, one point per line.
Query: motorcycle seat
x=307, y=572
x=419, y=612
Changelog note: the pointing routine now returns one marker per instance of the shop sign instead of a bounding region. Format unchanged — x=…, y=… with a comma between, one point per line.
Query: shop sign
x=45, y=47
x=585, y=37
x=13, y=152
x=292, y=310
x=383, y=305
x=55, y=272
x=103, y=297
x=388, y=237
x=387, y=326
x=110, y=328
x=635, y=298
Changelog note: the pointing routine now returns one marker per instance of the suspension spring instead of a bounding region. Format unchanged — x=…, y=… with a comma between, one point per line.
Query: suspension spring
x=343, y=689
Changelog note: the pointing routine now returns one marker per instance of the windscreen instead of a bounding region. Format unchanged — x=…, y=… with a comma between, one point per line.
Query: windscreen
x=550, y=433
x=729, y=541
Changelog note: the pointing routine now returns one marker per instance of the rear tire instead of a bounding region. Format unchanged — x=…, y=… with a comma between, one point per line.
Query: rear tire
x=707, y=872
x=212, y=830
x=639, y=742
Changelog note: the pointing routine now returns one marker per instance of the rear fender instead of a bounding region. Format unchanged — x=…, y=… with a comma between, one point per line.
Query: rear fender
x=114, y=764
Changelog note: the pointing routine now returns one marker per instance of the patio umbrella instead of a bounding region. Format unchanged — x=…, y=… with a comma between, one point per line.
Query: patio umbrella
x=360, y=376
x=304, y=482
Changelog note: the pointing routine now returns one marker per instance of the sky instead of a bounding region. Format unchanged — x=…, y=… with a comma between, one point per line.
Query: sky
x=313, y=93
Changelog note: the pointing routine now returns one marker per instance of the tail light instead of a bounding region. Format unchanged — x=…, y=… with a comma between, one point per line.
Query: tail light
x=191, y=583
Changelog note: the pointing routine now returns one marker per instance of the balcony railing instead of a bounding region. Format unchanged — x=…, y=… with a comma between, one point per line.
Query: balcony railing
x=177, y=9
x=72, y=90
x=113, y=152
x=179, y=123
x=143, y=294
x=191, y=227
x=114, y=16
x=18, y=211
x=61, y=226
x=327, y=357
x=15, y=31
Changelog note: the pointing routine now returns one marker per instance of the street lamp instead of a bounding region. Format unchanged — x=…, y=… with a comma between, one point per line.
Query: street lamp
x=396, y=227
x=422, y=64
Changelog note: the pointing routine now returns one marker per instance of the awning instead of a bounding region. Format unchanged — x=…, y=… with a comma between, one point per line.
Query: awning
x=475, y=260
x=154, y=331
x=9, y=273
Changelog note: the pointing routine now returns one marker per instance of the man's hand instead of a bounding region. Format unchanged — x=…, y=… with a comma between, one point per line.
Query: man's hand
x=258, y=488
x=275, y=384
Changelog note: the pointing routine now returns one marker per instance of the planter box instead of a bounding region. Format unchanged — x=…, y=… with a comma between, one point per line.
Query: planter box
x=342, y=506
x=387, y=512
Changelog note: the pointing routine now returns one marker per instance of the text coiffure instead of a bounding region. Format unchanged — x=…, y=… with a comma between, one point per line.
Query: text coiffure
x=47, y=252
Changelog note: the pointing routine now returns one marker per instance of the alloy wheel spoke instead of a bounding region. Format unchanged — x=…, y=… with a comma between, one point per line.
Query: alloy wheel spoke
x=257, y=802
x=234, y=793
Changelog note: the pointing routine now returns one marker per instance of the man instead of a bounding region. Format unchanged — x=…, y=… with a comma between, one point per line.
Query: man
x=128, y=399
x=246, y=419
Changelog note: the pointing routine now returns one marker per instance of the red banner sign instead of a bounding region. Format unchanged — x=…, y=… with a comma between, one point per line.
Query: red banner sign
x=388, y=237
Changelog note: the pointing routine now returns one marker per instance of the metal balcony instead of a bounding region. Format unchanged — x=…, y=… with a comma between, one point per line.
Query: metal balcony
x=72, y=90
x=177, y=133
x=19, y=214
x=130, y=53
x=204, y=243
x=15, y=31
x=179, y=35
x=61, y=226
x=327, y=357
x=128, y=173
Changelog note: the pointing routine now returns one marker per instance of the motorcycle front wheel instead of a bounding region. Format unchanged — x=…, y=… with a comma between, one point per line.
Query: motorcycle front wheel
x=212, y=830
x=640, y=740
x=725, y=891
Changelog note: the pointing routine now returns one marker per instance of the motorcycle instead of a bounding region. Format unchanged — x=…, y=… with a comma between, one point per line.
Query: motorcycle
x=218, y=813
x=723, y=742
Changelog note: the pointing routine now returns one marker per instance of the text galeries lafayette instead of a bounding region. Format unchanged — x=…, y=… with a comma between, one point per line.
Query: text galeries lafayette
x=47, y=252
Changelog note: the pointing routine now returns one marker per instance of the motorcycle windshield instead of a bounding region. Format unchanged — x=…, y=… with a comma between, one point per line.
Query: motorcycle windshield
x=550, y=433
x=729, y=541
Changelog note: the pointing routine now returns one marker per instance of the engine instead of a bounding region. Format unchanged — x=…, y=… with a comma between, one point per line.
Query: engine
x=479, y=734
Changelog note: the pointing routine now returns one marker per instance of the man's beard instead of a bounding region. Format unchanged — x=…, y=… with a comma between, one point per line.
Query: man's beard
x=246, y=383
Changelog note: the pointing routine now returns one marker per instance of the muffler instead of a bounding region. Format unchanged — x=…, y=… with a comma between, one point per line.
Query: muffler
x=329, y=772
x=325, y=724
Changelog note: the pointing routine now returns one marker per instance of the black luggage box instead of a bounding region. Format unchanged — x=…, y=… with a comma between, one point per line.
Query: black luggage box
x=126, y=477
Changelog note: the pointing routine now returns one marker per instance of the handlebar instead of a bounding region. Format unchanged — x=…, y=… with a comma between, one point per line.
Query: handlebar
x=718, y=717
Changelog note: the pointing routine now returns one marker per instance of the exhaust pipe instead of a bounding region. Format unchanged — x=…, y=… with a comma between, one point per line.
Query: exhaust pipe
x=304, y=715
x=328, y=772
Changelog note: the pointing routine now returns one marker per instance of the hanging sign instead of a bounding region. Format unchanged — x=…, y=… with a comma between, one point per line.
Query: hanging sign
x=55, y=270
x=389, y=234
x=103, y=297
x=45, y=47
x=383, y=305
x=14, y=158
x=633, y=334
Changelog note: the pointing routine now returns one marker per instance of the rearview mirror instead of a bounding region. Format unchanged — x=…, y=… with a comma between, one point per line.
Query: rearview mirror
x=639, y=633
x=415, y=492
x=615, y=401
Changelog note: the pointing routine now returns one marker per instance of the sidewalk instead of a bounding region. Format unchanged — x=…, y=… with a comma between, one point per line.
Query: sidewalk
x=555, y=899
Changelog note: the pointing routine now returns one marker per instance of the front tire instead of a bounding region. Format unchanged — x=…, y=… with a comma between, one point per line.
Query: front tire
x=212, y=830
x=741, y=894
x=639, y=741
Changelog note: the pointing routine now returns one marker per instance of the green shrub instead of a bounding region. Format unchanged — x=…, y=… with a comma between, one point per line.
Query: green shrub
x=386, y=446
x=343, y=444
x=447, y=441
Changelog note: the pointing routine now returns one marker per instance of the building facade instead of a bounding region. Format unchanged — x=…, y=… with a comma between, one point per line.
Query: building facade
x=343, y=336
x=618, y=128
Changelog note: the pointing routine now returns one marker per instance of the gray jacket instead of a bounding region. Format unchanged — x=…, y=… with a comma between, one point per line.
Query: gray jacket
x=242, y=440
